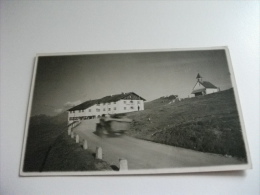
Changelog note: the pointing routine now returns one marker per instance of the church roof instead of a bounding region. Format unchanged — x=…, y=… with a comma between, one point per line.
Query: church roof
x=106, y=99
x=207, y=84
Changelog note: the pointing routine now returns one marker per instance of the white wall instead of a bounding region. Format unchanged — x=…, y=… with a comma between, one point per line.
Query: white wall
x=198, y=86
x=115, y=107
x=209, y=91
x=29, y=27
x=130, y=105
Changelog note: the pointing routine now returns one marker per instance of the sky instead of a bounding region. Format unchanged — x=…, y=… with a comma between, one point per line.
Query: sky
x=65, y=81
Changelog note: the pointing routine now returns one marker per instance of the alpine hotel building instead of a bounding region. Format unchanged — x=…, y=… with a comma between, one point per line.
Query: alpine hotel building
x=113, y=104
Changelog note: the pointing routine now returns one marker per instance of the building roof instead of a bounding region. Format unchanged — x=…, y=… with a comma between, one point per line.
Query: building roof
x=207, y=84
x=84, y=105
x=106, y=99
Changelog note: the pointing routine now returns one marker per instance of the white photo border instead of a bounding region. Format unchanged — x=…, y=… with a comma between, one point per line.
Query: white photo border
x=246, y=165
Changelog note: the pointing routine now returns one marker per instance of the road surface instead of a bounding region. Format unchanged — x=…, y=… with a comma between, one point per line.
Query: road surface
x=142, y=154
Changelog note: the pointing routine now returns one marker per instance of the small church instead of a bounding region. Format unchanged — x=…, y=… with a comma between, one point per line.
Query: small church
x=203, y=87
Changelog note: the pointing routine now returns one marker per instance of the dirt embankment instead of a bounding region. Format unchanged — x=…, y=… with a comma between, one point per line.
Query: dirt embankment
x=49, y=148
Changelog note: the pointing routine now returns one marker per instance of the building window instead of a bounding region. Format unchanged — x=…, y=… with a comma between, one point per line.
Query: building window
x=138, y=102
x=104, y=109
x=124, y=102
x=131, y=101
x=132, y=107
x=89, y=110
x=124, y=108
x=114, y=108
x=98, y=110
x=109, y=109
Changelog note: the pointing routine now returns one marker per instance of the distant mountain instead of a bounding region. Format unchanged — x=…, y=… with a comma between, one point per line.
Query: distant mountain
x=43, y=119
x=60, y=118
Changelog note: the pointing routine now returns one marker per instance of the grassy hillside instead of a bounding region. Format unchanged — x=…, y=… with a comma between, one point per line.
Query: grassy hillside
x=207, y=123
x=49, y=148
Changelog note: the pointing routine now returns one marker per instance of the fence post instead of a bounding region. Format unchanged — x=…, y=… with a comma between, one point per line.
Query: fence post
x=98, y=153
x=72, y=135
x=123, y=165
x=85, y=144
x=77, y=138
x=69, y=130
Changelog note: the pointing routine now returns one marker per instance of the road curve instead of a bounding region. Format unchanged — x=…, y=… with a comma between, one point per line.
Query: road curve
x=142, y=154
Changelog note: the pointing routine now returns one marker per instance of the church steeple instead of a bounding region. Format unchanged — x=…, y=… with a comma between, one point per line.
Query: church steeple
x=199, y=78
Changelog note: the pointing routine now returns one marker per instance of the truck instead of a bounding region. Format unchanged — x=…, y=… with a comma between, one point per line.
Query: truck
x=113, y=125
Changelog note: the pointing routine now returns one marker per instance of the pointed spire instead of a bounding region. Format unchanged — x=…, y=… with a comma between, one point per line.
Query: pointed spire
x=199, y=78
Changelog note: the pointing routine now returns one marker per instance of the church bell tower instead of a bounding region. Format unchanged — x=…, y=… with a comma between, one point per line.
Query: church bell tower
x=199, y=78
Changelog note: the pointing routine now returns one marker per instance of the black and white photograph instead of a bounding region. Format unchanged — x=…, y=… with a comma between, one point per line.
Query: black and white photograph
x=129, y=97
x=134, y=112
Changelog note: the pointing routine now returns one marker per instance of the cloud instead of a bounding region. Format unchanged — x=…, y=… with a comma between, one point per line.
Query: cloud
x=66, y=106
x=59, y=110
x=70, y=104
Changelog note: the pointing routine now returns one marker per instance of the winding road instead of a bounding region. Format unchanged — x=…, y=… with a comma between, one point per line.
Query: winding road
x=142, y=154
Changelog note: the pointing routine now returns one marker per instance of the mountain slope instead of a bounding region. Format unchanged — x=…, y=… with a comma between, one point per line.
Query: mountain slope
x=207, y=123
